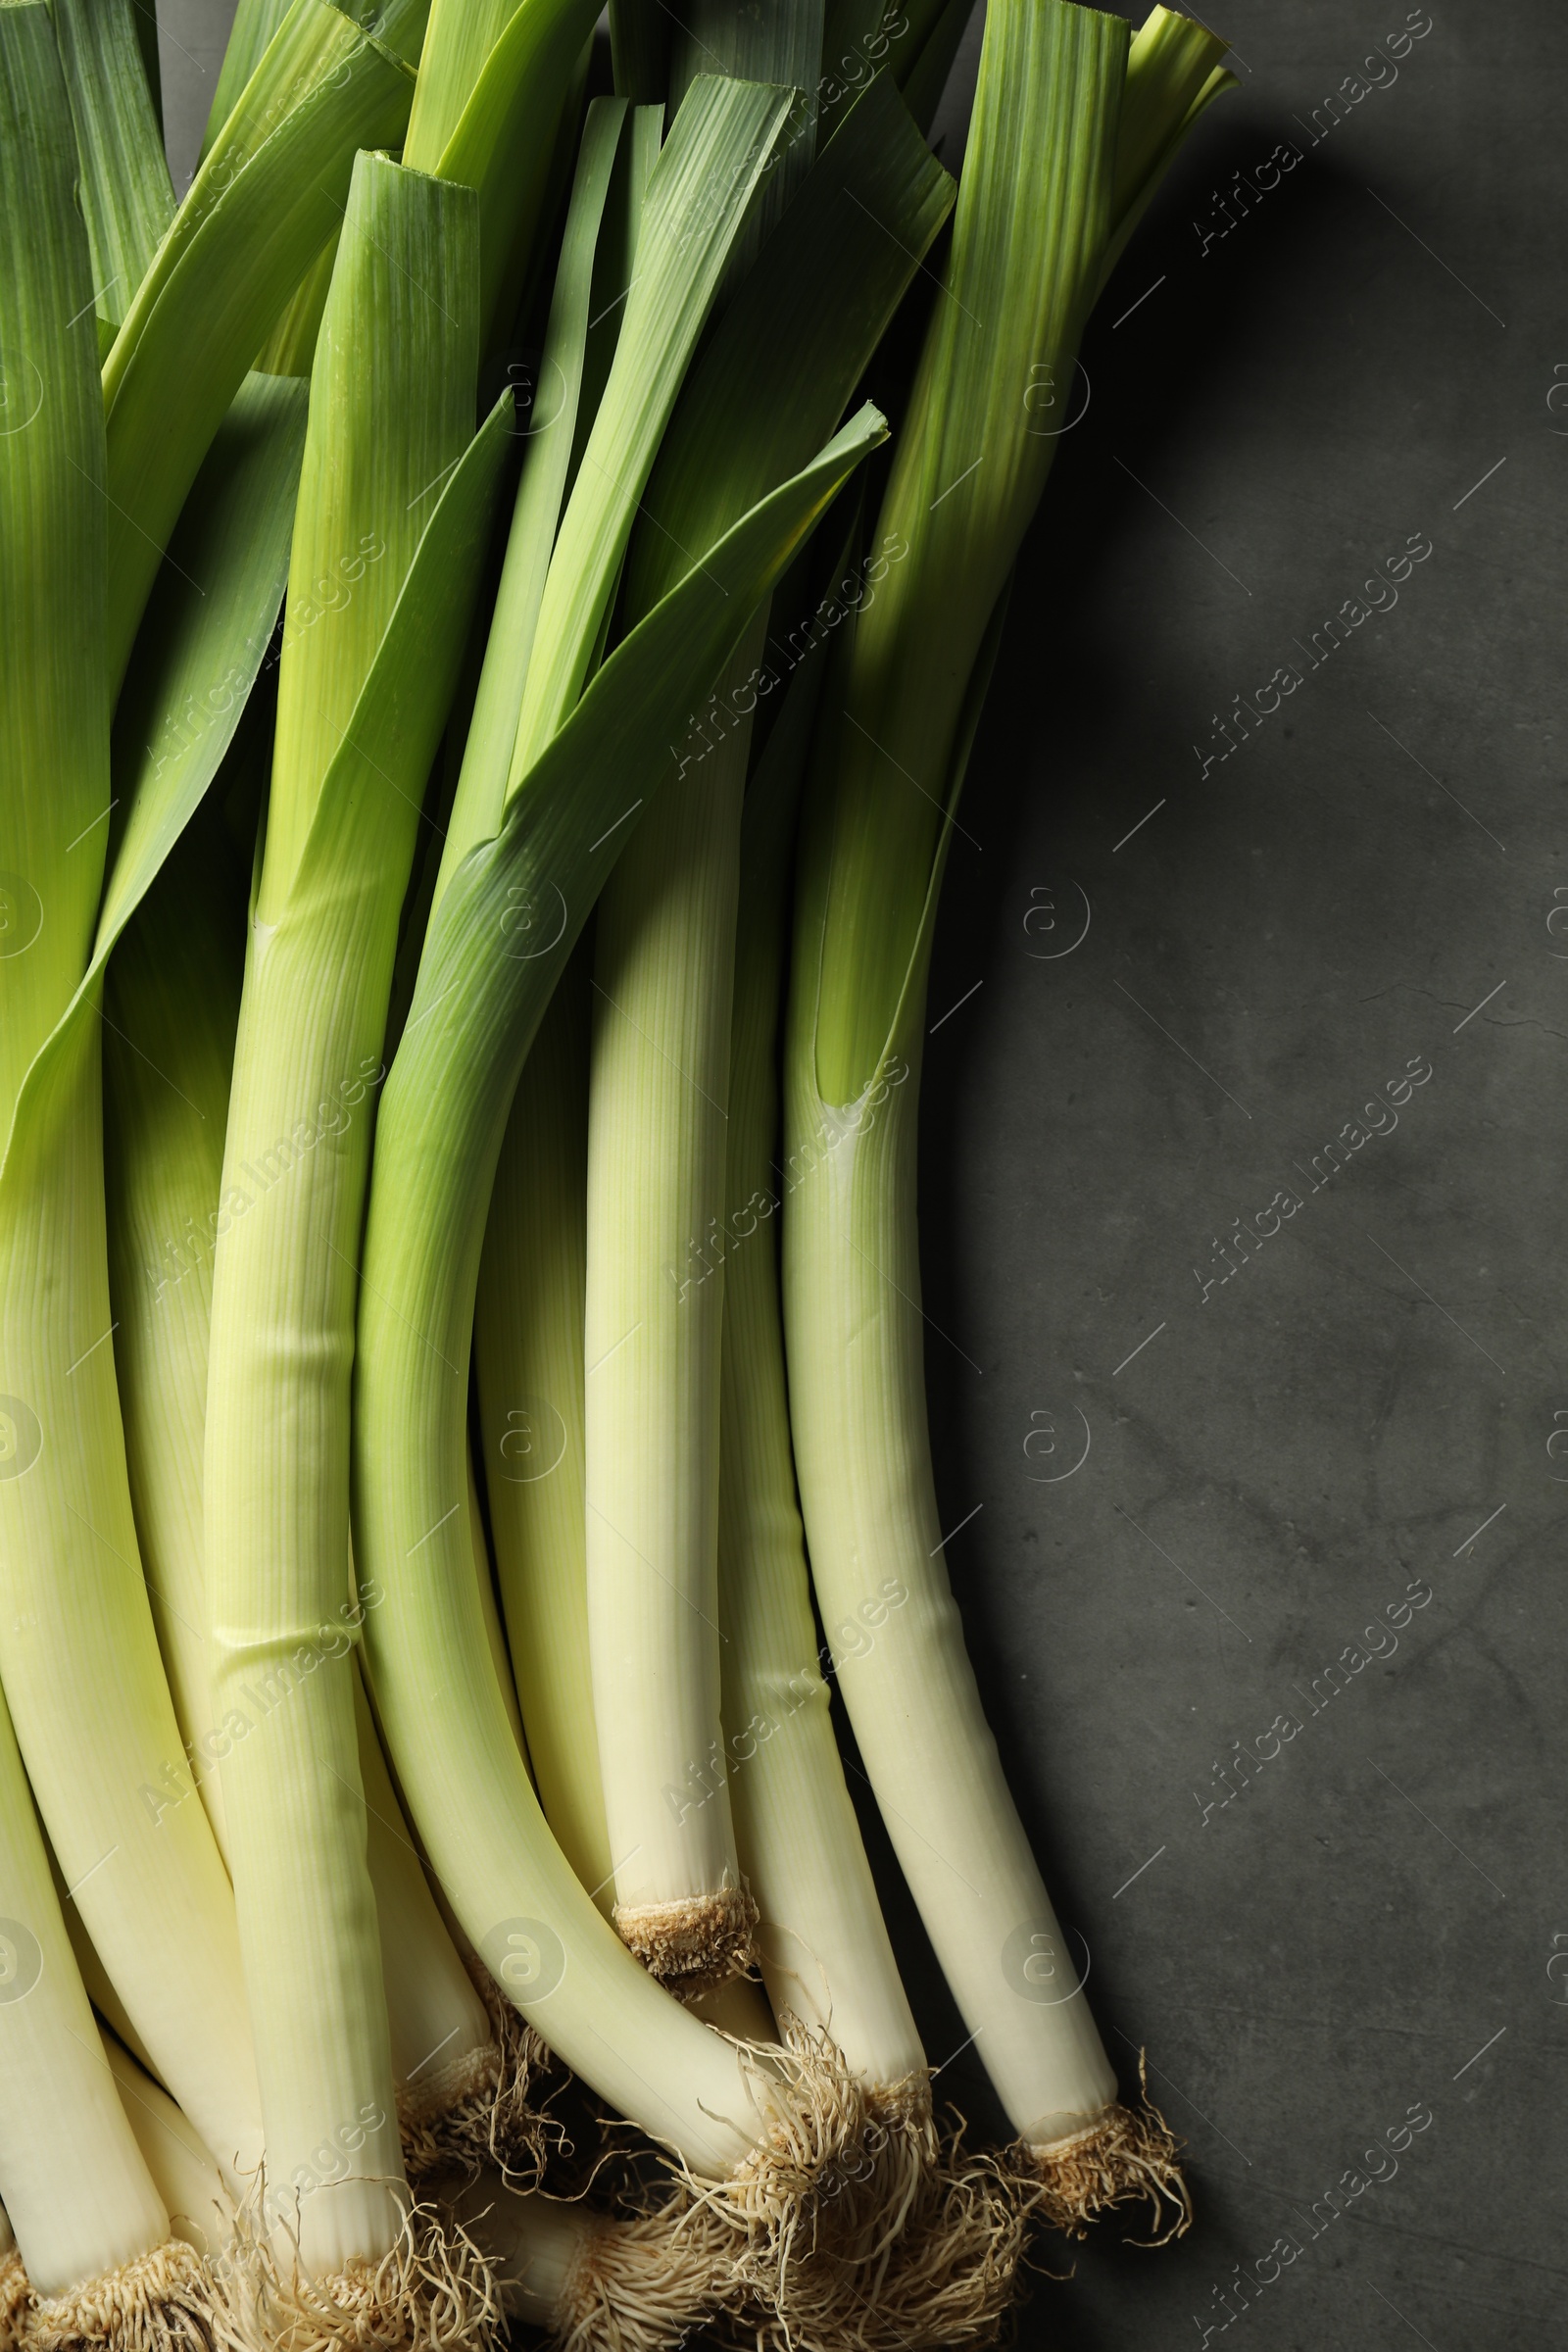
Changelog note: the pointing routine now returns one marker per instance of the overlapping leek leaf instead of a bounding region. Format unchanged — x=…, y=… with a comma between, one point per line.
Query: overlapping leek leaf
x=551, y=429
x=697, y=197
x=253, y=23
x=496, y=82
x=496, y=946
x=1174, y=74
x=393, y=515
x=127, y=198
x=265, y=200
x=640, y=33
x=781, y=44
x=781, y=362
x=922, y=73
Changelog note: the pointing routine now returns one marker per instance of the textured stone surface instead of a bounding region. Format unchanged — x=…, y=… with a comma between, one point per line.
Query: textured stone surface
x=1275, y=1468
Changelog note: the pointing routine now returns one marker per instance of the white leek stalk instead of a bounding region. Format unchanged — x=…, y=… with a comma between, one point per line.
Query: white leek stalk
x=774, y=378
x=393, y=509
x=90, y=2224
x=824, y=1950
x=663, y=982
x=1042, y=176
x=172, y=1008
x=201, y=2210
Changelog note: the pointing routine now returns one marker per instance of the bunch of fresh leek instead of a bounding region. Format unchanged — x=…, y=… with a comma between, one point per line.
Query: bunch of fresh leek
x=411, y=1687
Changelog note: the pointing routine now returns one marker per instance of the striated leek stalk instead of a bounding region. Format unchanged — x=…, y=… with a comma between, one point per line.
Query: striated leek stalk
x=83, y=1674
x=253, y=23
x=774, y=379
x=924, y=2246
x=528, y=1351
x=201, y=2210
x=824, y=1951
x=91, y=2227
x=389, y=531
x=172, y=1006
x=495, y=1630
x=1036, y=211
x=663, y=949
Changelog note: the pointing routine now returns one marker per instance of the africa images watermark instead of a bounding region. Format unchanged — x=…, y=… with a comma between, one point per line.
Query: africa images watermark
x=1381, y=594
x=1236, y=2295
x=855, y=593
x=264, y=1694
x=329, y=1123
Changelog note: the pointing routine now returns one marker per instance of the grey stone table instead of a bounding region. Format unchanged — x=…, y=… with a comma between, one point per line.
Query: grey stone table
x=1244, y=1457
x=1243, y=1150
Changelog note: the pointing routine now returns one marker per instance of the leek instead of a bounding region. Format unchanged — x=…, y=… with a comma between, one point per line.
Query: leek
x=127, y=196
x=497, y=83
x=964, y=481
x=201, y=2210
x=529, y=1353
x=443, y=1115
x=390, y=525
x=171, y=1016
x=91, y=2227
x=83, y=1675
x=774, y=379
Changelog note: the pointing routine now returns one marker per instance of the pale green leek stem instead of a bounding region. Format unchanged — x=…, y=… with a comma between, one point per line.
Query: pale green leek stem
x=173, y=1004
x=201, y=2210
x=529, y=1353
x=1026, y=259
x=387, y=460
x=77, y=2192
x=662, y=986
x=823, y=1947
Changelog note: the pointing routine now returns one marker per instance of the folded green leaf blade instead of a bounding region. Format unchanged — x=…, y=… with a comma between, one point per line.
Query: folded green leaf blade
x=128, y=198
x=204, y=637
x=772, y=380
x=968, y=471
x=696, y=202
x=502, y=139
x=262, y=205
x=551, y=427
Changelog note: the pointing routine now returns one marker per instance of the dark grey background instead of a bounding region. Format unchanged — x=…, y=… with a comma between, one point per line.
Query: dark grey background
x=1273, y=1469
